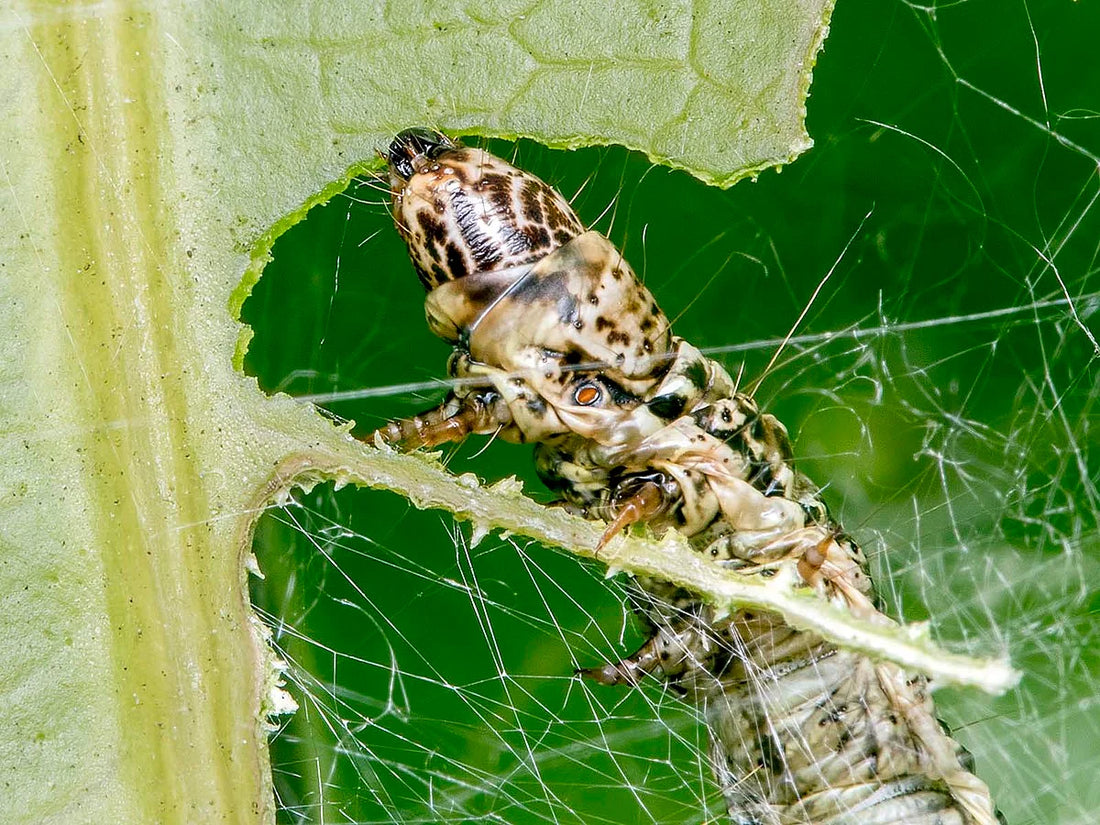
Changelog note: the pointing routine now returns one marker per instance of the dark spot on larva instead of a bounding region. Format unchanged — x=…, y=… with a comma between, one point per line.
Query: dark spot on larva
x=434, y=230
x=563, y=236
x=456, y=262
x=529, y=197
x=495, y=182
x=593, y=299
x=501, y=203
x=727, y=416
x=497, y=188
x=479, y=293
x=537, y=405
x=620, y=396
x=647, y=324
x=759, y=429
x=567, y=308
x=668, y=406
x=554, y=215
x=430, y=280
x=696, y=374
x=551, y=475
x=537, y=237
x=551, y=287
x=603, y=323
x=618, y=337
x=572, y=357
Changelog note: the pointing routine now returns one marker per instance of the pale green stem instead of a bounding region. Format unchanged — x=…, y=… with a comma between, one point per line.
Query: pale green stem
x=502, y=506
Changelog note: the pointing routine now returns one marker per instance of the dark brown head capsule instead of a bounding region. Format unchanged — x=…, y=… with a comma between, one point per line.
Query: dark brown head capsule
x=462, y=210
x=412, y=144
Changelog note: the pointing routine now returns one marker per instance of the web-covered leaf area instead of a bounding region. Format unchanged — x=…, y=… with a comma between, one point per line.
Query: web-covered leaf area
x=451, y=695
x=936, y=257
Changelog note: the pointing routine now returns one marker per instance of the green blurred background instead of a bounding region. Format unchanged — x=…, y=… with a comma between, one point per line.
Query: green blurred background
x=943, y=391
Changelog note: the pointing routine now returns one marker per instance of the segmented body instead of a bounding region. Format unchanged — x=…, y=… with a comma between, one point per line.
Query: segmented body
x=630, y=423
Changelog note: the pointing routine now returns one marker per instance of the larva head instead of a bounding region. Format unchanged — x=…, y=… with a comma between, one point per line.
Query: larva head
x=464, y=211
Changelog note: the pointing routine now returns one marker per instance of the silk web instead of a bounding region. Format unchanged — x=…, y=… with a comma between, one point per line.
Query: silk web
x=942, y=386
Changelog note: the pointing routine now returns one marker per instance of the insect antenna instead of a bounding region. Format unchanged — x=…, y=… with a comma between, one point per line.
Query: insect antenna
x=611, y=206
x=752, y=388
x=710, y=280
x=373, y=181
x=584, y=185
x=370, y=237
x=645, y=227
x=615, y=201
x=488, y=442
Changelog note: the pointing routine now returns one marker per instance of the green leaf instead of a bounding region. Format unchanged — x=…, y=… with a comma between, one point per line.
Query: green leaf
x=150, y=156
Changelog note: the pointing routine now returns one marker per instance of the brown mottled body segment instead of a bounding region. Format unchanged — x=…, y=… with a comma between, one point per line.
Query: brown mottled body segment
x=569, y=351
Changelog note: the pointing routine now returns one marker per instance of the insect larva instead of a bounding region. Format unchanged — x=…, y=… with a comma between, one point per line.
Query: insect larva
x=630, y=423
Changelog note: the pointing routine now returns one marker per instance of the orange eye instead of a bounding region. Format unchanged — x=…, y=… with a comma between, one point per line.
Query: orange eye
x=587, y=394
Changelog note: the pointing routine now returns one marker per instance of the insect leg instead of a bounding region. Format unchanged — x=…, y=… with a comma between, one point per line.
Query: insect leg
x=671, y=649
x=481, y=412
x=639, y=497
x=647, y=502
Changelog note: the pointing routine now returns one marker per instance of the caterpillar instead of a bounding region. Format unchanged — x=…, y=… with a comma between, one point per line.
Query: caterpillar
x=558, y=344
